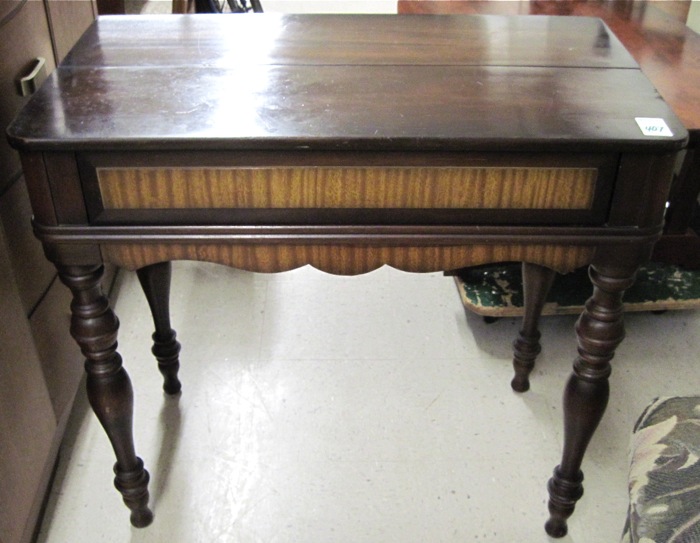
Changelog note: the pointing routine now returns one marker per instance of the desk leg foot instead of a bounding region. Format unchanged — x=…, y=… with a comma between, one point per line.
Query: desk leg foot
x=155, y=282
x=600, y=329
x=94, y=326
x=563, y=495
x=133, y=486
x=537, y=282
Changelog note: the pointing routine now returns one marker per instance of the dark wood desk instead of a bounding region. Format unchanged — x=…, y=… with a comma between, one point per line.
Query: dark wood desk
x=346, y=142
x=668, y=53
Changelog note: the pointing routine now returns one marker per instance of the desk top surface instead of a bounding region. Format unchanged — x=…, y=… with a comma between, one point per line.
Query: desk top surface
x=345, y=82
x=653, y=32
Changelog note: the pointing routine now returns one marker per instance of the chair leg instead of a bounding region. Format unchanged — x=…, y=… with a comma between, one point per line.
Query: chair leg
x=537, y=282
x=155, y=282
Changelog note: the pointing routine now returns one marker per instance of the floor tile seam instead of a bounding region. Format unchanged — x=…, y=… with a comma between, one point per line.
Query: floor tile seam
x=414, y=358
x=263, y=323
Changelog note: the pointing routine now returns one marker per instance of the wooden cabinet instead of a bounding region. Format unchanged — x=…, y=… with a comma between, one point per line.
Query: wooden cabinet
x=68, y=20
x=27, y=424
x=40, y=365
x=24, y=36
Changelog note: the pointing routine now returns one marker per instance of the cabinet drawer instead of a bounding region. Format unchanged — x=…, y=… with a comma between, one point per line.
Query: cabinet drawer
x=27, y=421
x=33, y=272
x=23, y=38
x=61, y=360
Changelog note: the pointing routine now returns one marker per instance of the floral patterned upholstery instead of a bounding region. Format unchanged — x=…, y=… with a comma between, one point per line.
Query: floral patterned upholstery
x=664, y=482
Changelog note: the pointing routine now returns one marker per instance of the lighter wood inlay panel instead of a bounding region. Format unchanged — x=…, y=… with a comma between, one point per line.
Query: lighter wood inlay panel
x=347, y=259
x=346, y=187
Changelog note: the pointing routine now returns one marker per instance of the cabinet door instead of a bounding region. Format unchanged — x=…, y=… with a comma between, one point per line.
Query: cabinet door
x=40, y=365
x=69, y=19
x=24, y=36
x=33, y=272
x=60, y=356
x=27, y=421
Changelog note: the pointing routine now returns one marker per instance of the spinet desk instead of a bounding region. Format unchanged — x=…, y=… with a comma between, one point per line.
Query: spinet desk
x=269, y=142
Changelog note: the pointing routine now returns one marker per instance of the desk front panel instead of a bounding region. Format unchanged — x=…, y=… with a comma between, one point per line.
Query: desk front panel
x=347, y=212
x=369, y=189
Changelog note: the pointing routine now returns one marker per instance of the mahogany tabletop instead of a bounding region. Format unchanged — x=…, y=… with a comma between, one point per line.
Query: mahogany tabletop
x=655, y=35
x=342, y=82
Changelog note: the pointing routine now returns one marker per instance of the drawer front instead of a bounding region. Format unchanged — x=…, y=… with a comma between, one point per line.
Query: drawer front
x=338, y=188
x=33, y=272
x=332, y=193
x=23, y=38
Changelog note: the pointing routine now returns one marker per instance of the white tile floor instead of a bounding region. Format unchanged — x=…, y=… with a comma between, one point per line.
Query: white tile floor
x=319, y=409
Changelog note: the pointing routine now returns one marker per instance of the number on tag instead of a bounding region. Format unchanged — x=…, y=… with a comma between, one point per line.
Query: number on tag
x=651, y=126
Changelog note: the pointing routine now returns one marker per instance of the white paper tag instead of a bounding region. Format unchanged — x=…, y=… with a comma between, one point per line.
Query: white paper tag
x=651, y=126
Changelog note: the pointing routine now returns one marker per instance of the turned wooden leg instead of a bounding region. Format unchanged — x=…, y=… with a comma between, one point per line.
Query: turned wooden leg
x=155, y=281
x=537, y=282
x=600, y=330
x=94, y=327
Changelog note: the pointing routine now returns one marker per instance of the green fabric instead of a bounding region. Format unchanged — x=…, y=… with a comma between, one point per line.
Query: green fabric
x=664, y=481
x=500, y=286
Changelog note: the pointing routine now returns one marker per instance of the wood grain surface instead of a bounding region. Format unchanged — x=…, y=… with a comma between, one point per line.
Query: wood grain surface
x=347, y=259
x=654, y=33
x=346, y=82
x=372, y=187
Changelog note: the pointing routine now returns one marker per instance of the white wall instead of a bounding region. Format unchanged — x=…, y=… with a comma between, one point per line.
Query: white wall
x=694, y=16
